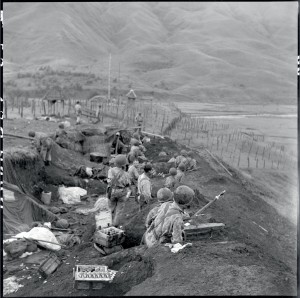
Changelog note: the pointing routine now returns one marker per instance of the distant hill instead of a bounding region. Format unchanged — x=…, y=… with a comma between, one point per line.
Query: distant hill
x=213, y=51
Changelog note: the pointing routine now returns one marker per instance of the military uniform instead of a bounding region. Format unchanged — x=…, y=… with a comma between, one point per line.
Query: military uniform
x=43, y=144
x=144, y=189
x=179, y=176
x=153, y=213
x=191, y=163
x=170, y=183
x=134, y=176
x=119, y=192
x=167, y=226
x=180, y=159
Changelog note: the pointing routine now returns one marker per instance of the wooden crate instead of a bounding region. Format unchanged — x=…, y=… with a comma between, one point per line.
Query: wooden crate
x=101, y=237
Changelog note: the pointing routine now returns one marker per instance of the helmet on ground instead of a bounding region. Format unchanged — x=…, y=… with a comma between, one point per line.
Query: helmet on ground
x=147, y=167
x=181, y=166
x=183, y=152
x=136, y=136
x=120, y=160
x=112, y=161
x=183, y=195
x=173, y=171
x=162, y=153
x=31, y=134
x=135, y=142
x=164, y=195
x=62, y=223
x=190, y=153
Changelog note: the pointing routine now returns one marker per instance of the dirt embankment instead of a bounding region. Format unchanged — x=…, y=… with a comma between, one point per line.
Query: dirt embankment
x=254, y=255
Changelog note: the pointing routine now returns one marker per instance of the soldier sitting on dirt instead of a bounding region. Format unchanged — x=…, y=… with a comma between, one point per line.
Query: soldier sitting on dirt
x=60, y=132
x=144, y=187
x=180, y=173
x=43, y=144
x=118, y=189
x=173, y=159
x=170, y=180
x=191, y=162
x=163, y=195
x=181, y=158
x=135, y=137
x=168, y=225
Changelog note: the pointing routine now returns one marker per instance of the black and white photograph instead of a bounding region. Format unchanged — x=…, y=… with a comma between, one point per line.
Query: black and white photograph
x=149, y=148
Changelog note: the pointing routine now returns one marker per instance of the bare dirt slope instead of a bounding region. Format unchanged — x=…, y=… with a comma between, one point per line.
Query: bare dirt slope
x=254, y=255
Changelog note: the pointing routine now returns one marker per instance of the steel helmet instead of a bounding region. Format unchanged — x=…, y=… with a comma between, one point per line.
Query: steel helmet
x=162, y=153
x=190, y=153
x=135, y=142
x=164, y=195
x=183, y=195
x=136, y=136
x=147, y=167
x=131, y=158
x=31, y=134
x=120, y=160
x=181, y=166
x=112, y=161
x=173, y=171
x=183, y=152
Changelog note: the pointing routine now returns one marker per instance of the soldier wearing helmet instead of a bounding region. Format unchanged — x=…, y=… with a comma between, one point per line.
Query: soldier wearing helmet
x=135, y=137
x=118, y=146
x=133, y=175
x=191, y=162
x=43, y=144
x=144, y=187
x=163, y=195
x=182, y=158
x=168, y=226
x=180, y=173
x=173, y=159
x=118, y=189
x=170, y=181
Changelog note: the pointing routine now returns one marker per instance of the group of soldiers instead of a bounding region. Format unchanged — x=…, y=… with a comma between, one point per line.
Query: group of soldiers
x=127, y=177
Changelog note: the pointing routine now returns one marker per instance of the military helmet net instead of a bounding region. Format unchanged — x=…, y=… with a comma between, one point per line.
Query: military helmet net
x=164, y=195
x=173, y=171
x=181, y=166
x=120, y=160
x=183, y=195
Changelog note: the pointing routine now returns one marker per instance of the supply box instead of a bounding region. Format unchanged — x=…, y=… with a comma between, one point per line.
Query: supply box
x=109, y=237
x=92, y=276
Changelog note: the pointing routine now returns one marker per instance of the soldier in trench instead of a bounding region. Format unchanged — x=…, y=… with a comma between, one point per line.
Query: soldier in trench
x=118, y=189
x=168, y=225
x=43, y=144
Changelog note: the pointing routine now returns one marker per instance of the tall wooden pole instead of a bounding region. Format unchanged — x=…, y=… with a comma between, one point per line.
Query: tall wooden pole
x=109, y=62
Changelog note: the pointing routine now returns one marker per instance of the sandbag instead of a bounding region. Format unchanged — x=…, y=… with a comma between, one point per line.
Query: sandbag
x=71, y=195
